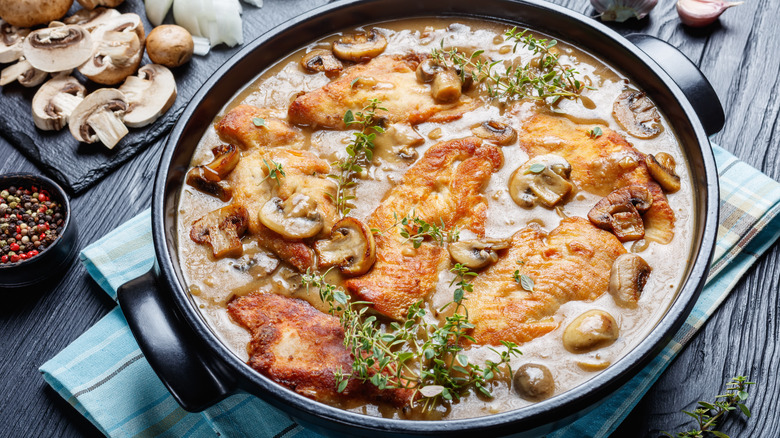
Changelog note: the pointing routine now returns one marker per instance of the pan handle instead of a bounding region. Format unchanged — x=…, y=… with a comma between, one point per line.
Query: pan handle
x=688, y=77
x=172, y=350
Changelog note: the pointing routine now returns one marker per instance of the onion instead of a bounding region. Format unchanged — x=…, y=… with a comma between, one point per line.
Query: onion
x=698, y=13
x=622, y=10
x=217, y=20
x=156, y=10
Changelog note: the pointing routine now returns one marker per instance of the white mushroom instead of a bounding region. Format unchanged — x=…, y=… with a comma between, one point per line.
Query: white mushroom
x=358, y=47
x=28, y=13
x=55, y=101
x=222, y=230
x=92, y=4
x=24, y=72
x=99, y=117
x=636, y=113
x=592, y=330
x=661, y=167
x=92, y=19
x=149, y=95
x=55, y=49
x=621, y=212
x=478, y=253
x=495, y=131
x=118, y=50
x=296, y=217
x=543, y=179
x=11, y=39
x=321, y=60
x=627, y=279
x=351, y=247
x=398, y=140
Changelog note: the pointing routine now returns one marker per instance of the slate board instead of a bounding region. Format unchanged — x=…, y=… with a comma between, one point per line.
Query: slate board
x=78, y=166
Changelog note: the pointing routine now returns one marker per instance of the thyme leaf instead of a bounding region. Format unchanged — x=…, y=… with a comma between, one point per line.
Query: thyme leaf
x=259, y=122
x=275, y=171
x=596, y=132
x=524, y=281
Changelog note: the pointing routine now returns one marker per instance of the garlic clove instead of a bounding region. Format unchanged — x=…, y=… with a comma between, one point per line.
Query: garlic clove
x=622, y=10
x=699, y=13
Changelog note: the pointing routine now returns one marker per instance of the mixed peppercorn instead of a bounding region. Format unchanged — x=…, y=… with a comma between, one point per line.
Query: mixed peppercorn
x=30, y=221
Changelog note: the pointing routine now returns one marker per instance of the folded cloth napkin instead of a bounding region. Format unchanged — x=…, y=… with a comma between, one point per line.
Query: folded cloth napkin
x=104, y=375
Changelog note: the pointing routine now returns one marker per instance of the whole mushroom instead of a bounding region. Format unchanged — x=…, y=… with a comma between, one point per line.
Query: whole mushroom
x=169, y=45
x=351, y=247
x=627, y=279
x=28, y=13
x=55, y=101
x=533, y=382
x=590, y=331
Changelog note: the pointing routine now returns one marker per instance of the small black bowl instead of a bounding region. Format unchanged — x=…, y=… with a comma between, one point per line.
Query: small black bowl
x=52, y=259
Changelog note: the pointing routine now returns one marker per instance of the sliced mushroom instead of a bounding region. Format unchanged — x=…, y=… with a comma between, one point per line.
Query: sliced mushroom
x=661, y=167
x=99, y=117
x=533, y=382
x=24, y=72
x=209, y=178
x=118, y=50
x=296, y=217
x=427, y=70
x=636, y=114
x=351, y=247
x=400, y=140
x=497, y=132
x=543, y=179
x=358, y=47
x=620, y=212
x=222, y=229
x=28, y=13
x=92, y=4
x=54, y=49
x=321, y=60
x=446, y=86
x=477, y=253
x=149, y=95
x=55, y=101
x=592, y=330
x=11, y=39
x=627, y=279
x=91, y=19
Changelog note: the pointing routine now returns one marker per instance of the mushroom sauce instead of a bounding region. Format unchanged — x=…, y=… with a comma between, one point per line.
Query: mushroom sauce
x=214, y=282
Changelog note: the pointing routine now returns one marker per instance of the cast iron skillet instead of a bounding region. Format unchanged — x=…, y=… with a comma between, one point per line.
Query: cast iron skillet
x=199, y=370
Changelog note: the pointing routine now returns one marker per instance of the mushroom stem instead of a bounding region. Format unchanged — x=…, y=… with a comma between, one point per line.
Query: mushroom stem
x=22, y=71
x=108, y=127
x=65, y=103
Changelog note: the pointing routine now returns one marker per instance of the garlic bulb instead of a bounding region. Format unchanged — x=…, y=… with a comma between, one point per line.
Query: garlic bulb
x=622, y=10
x=698, y=13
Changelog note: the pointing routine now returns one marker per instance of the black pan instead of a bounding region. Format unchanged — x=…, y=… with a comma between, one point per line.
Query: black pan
x=199, y=370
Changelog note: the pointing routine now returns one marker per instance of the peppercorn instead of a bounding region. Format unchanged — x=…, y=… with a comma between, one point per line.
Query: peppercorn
x=30, y=221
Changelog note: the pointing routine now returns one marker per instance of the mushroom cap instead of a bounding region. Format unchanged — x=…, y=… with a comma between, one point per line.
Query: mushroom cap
x=55, y=101
x=169, y=45
x=55, y=49
x=661, y=168
x=115, y=57
x=149, y=95
x=619, y=212
x=91, y=19
x=108, y=100
x=478, y=253
x=590, y=331
x=636, y=114
x=495, y=131
x=295, y=218
x=533, y=382
x=359, y=47
x=11, y=39
x=351, y=247
x=627, y=279
x=321, y=60
x=28, y=13
x=92, y=4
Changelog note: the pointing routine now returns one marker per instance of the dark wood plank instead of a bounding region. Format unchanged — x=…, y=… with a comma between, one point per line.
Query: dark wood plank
x=742, y=338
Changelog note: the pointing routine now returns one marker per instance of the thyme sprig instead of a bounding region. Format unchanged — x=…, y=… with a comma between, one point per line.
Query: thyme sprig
x=540, y=78
x=275, y=171
x=708, y=414
x=359, y=150
x=413, y=354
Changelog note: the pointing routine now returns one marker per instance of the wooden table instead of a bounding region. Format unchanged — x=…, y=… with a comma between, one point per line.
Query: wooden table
x=738, y=55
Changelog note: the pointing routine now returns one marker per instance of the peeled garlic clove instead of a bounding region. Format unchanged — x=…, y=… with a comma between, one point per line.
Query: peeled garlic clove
x=622, y=10
x=699, y=13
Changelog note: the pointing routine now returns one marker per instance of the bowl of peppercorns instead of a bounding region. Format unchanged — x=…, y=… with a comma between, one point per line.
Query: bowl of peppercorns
x=37, y=233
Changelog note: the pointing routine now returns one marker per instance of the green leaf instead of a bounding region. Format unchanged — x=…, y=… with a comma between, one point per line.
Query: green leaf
x=349, y=117
x=463, y=359
x=343, y=385
x=258, y=121
x=340, y=296
x=457, y=296
x=718, y=434
x=352, y=84
x=527, y=283
x=537, y=168
x=744, y=410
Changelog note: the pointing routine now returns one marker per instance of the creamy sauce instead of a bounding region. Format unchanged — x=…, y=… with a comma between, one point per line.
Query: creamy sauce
x=214, y=282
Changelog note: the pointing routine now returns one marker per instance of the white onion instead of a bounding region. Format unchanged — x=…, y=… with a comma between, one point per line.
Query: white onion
x=156, y=10
x=256, y=3
x=622, y=10
x=217, y=20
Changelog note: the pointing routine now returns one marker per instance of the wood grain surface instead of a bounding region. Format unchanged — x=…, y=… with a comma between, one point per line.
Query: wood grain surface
x=739, y=56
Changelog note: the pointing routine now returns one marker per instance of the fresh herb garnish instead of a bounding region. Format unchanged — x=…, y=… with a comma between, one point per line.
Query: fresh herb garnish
x=595, y=132
x=524, y=281
x=708, y=414
x=259, y=122
x=359, y=150
x=537, y=168
x=416, y=230
x=275, y=170
x=413, y=354
x=540, y=78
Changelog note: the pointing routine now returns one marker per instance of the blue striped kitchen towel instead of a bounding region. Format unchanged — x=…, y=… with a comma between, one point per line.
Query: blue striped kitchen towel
x=106, y=378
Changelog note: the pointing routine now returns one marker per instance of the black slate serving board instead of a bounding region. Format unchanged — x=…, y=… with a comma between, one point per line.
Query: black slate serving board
x=78, y=166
